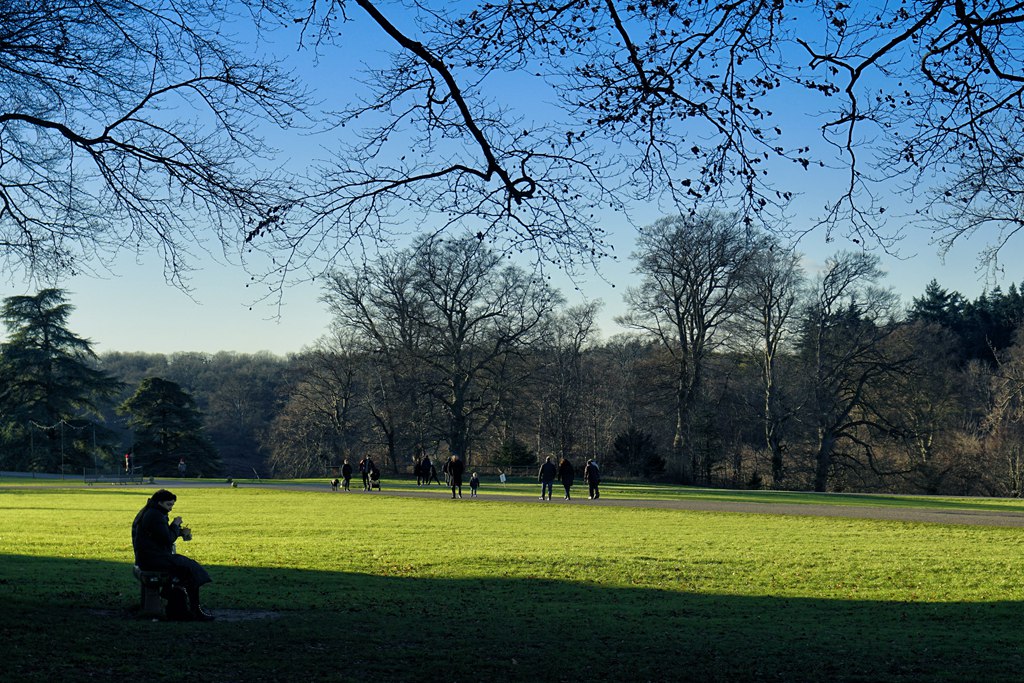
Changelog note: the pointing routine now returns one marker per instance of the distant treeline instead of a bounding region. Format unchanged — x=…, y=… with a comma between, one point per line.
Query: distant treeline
x=825, y=383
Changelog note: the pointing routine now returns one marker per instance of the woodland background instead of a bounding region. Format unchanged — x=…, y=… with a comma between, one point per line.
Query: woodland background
x=736, y=369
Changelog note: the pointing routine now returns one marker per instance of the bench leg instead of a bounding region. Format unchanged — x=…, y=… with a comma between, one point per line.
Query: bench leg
x=152, y=604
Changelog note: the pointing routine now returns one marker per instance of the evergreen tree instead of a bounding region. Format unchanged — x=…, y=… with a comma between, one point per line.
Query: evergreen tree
x=168, y=427
x=514, y=453
x=990, y=322
x=51, y=394
x=637, y=451
x=938, y=306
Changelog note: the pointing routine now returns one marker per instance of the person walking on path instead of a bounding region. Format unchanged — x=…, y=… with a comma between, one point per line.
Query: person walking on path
x=153, y=540
x=364, y=469
x=346, y=475
x=566, y=474
x=454, y=469
x=374, y=482
x=592, y=475
x=474, y=484
x=426, y=468
x=546, y=477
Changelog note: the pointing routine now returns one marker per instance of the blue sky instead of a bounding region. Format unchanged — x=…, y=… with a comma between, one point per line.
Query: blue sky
x=134, y=309
x=137, y=311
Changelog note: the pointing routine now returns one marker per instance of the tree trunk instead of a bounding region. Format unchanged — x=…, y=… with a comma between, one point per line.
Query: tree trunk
x=823, y=462
x=681, y=446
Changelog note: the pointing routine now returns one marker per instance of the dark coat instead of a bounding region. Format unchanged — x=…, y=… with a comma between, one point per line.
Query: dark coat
x=455, y=469
x=566, y=473
x=153, y=540
x=592, y=473
x=346, y=471
x=547, y=472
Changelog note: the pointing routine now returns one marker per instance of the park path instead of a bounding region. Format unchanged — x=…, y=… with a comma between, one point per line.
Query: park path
x=966, y=517
x=996, y=518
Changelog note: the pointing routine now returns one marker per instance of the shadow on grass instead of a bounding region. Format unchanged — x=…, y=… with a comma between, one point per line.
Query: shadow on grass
x=68, y=619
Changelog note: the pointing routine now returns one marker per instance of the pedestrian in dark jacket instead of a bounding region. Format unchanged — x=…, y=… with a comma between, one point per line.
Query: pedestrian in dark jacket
x=454, y=469
x=374, y=476
x=592, y=475
x=153, y=540
x=346, y=475
x=364, y=469
x=566, y=474
x=546, y=477
x=426, y=467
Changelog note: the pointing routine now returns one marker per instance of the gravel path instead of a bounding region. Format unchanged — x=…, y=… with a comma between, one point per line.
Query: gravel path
x=997, y=518
x=897, y=514
x=1007, y=518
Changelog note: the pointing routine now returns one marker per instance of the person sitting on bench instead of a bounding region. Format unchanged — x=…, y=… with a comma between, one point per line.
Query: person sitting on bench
x=153, y=540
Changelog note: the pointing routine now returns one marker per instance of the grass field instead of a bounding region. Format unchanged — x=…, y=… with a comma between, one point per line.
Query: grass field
x=311, y=585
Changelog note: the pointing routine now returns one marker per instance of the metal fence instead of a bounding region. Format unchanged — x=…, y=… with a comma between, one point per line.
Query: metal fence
x=113, y=476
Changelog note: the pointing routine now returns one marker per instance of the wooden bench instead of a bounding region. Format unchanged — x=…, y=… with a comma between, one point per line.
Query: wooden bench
x=151, y=583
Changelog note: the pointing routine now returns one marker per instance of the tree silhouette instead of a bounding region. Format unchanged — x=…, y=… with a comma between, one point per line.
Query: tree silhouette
x=51, y=390
x=168, y=427
x=131, y=126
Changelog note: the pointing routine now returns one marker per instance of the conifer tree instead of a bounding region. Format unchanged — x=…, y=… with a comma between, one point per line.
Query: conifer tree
x=168, y=427
x=51, y=392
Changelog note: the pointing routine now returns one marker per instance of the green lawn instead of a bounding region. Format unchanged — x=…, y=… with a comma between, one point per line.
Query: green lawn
x=315, y=585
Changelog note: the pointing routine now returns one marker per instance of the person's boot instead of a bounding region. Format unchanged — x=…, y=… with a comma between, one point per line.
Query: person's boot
x=201, y=614
x=198, y=612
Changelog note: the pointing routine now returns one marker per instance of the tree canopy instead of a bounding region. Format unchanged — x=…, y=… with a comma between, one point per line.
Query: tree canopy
x=168, y=427
x=51, y=393
x=128, y=125
x=692, y=103
x=527, y=123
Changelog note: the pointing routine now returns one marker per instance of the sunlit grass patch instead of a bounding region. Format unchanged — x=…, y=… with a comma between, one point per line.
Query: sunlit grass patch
x=392, y=582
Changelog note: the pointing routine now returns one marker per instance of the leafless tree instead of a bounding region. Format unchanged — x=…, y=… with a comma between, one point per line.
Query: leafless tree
x=846, y=329
x=925, y=405
x=319, y=425
x=562, y=384
x=464, y=314
x=131, y=126
x=1004, y=422
x=378, y=306
x=771, y=294
x=692, y=268
x=687, y=102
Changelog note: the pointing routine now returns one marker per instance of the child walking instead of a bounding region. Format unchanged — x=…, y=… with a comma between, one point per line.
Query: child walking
x=474, y=484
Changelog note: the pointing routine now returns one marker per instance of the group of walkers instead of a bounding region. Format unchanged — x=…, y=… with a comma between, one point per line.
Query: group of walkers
x=368, y=470
x=566, y=474
x=454, y=469
x=425, y=471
